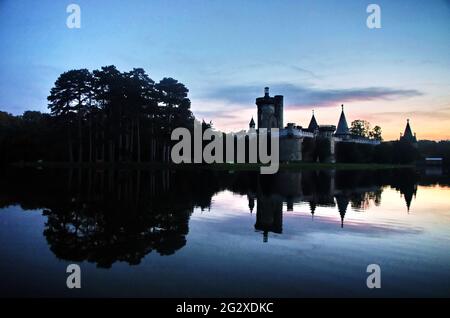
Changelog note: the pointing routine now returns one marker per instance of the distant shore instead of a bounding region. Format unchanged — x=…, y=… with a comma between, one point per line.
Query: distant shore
x=291, y=166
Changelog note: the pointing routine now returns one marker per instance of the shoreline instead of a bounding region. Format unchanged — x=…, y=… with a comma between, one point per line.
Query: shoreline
x=292, y=166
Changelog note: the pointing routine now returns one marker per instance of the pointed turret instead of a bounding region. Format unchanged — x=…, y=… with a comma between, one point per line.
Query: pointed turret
x=313, y=126
x=251, y=124
x=342, y=128
x=408, y=134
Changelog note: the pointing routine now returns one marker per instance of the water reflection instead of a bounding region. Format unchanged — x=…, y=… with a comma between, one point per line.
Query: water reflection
x=105, y=216
x=323, y=188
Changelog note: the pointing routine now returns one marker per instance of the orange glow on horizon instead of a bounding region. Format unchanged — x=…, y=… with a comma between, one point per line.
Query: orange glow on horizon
x=391, y=117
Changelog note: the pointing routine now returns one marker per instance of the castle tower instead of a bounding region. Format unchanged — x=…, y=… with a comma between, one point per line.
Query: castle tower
x=270, y=110
x=279, y=109
x=342, y=128
x=408, y=135
x=313, y=126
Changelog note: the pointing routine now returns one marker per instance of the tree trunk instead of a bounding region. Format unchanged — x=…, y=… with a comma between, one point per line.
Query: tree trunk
x=90, y=139
x=95, y=143
x=165, y=153
x=70, y=144
x=132, y=142
x=102, y=155
x=80, y=135
x=111, y=151
x=138, y=133
x=120, y=147
x=127, y=144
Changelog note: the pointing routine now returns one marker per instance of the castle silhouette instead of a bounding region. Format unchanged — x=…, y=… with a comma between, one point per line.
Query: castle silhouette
x=292, y=137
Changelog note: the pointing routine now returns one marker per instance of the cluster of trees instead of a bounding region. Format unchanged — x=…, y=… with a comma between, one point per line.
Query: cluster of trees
x=430, y=148
x=362, y=128
x=394, y=152
x=105, y=115
x=111, y=111
x=31, y=136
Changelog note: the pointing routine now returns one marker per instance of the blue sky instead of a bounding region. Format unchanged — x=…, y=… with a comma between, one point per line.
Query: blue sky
x=319, y=54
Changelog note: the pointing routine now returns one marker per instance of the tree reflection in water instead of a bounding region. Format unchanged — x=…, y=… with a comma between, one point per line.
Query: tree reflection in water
x=105, y=216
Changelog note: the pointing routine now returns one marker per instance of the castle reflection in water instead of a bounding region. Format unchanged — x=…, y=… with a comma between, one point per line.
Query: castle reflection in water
x=104, y=216
x=319, y=188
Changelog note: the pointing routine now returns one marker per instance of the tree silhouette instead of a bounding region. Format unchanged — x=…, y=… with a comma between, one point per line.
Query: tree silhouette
x=360, y=128
x=375, y=133
x=141, y=103
x=172, y=95
x=70, y=99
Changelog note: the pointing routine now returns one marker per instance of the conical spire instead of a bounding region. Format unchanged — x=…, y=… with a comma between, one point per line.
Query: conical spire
x=252, y=123
x=408, y=135
x=313, y=123
x=408, y=132
x=342, y=128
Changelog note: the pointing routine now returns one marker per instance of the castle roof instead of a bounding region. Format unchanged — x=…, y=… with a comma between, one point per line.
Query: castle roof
x=408, y=135
x=252, y=123
x=408, y=132
x=313, y=124
x=342, y=128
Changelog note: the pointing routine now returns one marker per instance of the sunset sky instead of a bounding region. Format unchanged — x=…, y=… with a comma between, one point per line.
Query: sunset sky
x=318, y=54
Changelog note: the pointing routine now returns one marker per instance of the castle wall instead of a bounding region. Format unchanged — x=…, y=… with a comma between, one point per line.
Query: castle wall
x=332, y=150
x=291, y=149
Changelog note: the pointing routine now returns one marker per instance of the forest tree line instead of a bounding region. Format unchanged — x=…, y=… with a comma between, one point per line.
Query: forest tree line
x=100, y=116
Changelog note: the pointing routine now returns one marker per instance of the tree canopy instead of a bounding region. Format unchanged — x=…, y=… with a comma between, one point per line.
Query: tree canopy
x=112, y=111
x=362, y=128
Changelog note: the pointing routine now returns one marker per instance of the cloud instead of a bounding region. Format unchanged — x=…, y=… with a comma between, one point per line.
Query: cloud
x=216, y=113
x=305, y=71
x=442, y=113
x=297, y=96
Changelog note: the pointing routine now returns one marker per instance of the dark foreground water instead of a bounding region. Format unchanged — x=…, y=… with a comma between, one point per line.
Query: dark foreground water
x=212, y=234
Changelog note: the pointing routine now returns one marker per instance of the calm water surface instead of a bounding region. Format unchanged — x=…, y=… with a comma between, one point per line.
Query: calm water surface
x=189, y=234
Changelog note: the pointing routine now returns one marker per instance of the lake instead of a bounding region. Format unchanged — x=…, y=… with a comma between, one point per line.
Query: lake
x=207, y=233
